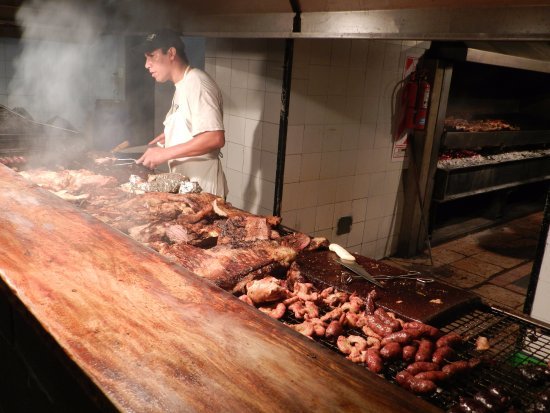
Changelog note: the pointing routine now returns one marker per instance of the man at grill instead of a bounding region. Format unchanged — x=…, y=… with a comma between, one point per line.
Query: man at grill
x=193, y=128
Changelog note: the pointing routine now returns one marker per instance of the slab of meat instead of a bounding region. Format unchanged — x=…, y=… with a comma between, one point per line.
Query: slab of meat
x=226, y=265
x=239, y=228
x=73, y=181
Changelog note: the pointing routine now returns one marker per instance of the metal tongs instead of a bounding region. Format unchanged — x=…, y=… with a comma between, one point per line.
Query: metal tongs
x=124, y=161
x=409, y=275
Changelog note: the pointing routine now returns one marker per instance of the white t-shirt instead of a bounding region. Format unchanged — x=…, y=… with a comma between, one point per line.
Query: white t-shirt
x=197, y=107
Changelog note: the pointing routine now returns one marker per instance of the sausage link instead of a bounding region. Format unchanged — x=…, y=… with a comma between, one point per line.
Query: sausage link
x=451, y=340
x=418, y=386
x=376, y=325
x=409, y=351
x=433, y=375
x=425, y=350
x=387, y=320
x=420, y=366
x=370, y=306
x=374, y=361
x=391, y=350
x=443, y=354
x=401, y=337
x=425, y=329
x=456, y=367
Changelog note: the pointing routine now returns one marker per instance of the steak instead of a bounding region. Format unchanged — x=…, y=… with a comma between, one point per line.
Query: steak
x=226, y=265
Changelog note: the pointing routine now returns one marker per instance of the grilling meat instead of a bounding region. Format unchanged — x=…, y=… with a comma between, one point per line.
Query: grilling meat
x=226, y=265
x=73, y=181
x=485, y=125
x=267, y=289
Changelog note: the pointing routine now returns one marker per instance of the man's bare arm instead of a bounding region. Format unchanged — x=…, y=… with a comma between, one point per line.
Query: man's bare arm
x=201, y=144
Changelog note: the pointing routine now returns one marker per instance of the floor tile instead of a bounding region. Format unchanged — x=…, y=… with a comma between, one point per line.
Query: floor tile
x=517, y=289
x=458, y=278
x=477, y=267
x=512, y=275
x=445, y=256
x=500, y=295
x=498, y=259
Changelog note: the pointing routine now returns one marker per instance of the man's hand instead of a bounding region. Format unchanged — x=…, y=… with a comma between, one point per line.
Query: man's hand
x=158, y=139
x=154, y=157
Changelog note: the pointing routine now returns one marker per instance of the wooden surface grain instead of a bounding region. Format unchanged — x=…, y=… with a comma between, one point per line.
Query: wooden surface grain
x=153, y=337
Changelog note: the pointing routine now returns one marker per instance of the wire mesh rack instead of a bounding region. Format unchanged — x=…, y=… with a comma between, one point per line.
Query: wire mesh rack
x=514, y=342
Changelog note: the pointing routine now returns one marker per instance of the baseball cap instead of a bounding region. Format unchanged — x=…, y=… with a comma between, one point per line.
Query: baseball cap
x=160, y=39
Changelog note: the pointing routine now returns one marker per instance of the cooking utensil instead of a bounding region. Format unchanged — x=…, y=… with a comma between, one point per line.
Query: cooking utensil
x=124, y=161
x=347, y=260
x=409, y=275
x=120, y=146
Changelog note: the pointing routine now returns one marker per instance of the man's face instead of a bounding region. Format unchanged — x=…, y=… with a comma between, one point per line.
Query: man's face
x=158, y=64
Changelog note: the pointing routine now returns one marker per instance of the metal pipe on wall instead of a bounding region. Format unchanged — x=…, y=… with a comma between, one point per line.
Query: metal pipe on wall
x=285, y=104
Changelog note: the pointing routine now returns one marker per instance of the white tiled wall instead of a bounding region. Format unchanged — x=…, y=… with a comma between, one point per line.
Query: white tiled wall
x=249, y=72
x=339, y=143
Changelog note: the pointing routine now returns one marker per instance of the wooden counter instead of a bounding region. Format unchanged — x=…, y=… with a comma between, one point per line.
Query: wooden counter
x=141, y=334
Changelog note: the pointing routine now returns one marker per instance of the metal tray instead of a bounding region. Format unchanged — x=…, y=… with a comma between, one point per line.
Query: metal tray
x=458, y=183
x=514, y=341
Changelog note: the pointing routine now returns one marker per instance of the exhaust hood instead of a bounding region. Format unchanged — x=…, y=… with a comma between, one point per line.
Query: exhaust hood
x=526, y=55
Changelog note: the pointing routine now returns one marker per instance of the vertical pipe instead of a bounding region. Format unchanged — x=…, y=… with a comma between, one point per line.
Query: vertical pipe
x=285, y=103
x=283, y=127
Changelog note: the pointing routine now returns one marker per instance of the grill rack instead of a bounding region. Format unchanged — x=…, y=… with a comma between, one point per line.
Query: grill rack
x=514, y=341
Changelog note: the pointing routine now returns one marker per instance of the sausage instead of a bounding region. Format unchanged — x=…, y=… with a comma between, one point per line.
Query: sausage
x=378, y=326
x=433, y=375
x=391, y=350
x=443, y=354
x=424, y=352
x=401, y=337
x=368, y=332
x=415, y=333
x=418, y=386
x=489, y=400
x=374, y=361
x=451, y=340
x=467, y=404
x=425, y=329
x=386, y=319
x=370, y=306
x=456, y=367
x=409, y=351
x=420, y=366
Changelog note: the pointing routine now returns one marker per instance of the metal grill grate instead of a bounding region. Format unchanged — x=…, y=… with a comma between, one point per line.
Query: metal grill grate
x=513, y=341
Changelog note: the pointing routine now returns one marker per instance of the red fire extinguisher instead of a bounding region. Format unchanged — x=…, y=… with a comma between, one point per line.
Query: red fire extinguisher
x=422, y=104
x=410, y=97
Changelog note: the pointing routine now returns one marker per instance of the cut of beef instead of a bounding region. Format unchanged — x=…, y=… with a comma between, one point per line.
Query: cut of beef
x=240, y=228
x=226, y=265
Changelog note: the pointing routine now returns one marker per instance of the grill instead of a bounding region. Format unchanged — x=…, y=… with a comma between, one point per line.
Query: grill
x=499, y=114
x=20, y=135
x=514, y=342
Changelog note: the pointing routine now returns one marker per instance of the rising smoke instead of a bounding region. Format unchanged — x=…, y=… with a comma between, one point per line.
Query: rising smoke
x=72, y=56
x=60, y=59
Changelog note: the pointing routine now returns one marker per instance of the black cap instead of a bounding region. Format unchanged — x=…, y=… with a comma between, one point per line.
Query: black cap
x=160, y=39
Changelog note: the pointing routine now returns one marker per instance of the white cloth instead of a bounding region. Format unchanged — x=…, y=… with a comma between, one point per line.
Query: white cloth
x=197, y=107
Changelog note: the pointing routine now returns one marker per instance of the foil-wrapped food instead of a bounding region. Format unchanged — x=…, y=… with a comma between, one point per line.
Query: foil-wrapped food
x=165, y=182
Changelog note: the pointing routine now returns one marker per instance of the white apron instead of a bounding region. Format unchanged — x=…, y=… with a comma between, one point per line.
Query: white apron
x=205, y=169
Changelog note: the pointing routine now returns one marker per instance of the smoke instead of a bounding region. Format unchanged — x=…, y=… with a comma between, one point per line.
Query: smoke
x=58, y=59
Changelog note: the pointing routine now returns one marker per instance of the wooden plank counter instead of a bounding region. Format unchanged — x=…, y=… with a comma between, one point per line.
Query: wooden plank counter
x=148, y=336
